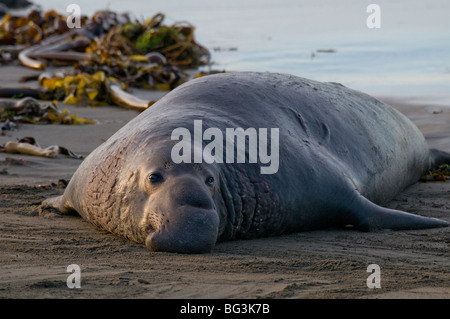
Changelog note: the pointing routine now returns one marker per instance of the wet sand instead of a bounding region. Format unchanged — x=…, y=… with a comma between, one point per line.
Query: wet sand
x=35, y=248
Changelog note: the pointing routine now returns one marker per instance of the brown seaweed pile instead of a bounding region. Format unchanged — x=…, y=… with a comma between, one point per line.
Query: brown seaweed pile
x=440, y=174
x=109, y=53
x=28, y=110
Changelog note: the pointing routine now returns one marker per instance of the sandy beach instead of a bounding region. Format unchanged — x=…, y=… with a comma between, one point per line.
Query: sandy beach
x=35, y=248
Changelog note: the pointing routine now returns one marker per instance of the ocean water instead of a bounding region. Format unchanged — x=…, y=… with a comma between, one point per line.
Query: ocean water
x=408, y=56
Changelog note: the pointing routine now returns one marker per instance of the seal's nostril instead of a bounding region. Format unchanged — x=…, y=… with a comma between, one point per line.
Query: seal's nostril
x=190, y=231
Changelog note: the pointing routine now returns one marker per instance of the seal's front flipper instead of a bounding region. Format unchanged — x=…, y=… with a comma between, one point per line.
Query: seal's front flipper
x=367, y=216
x=57, y=204
x=438, y=158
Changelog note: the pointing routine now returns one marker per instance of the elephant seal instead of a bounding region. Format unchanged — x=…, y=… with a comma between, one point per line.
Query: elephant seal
x=341, y=154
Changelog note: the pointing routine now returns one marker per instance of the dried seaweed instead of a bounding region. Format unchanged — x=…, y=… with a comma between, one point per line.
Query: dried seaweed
x=29, y=110
x=440, y=174
x=109, y=47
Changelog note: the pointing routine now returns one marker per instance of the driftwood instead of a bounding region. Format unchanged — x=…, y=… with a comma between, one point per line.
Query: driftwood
x=25, y=148
x=122, y=98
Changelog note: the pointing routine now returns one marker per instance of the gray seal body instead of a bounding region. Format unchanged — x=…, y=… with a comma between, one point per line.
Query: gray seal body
x=341, y=154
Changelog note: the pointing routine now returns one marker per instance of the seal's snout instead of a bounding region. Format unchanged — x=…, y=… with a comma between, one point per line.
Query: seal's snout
x=190, y=222
x=198, y=199
x=188, y=191
x=194, y=232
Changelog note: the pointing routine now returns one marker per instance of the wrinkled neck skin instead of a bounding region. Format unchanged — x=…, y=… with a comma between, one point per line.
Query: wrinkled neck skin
x=249, y=206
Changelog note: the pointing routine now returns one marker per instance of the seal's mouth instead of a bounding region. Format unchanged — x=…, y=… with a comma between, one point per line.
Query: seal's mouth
x=192, y=230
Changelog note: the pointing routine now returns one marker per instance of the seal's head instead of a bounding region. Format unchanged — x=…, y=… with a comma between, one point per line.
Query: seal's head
x=173, y=204
x=182, y=210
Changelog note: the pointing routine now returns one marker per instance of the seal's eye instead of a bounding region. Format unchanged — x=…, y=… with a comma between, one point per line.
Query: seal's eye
x=155, y=178
x=210, y=181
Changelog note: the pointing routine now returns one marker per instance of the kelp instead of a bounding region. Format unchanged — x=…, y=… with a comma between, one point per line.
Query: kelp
x=95, y=90
x=73, y=89
x=32, y=28
x=111, y=34
x=108, y=48
x=175, y=42
x=440, y=174
x=150, y=71
x=29, y=110
x=55, y=49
